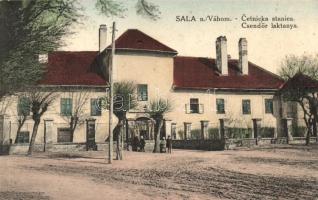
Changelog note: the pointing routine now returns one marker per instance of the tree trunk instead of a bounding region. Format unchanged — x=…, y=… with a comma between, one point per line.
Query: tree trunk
x=21, y=123
x=34, y=133
x=315, y=132
x=308, y=136
x=127, y=134
x=72, y=135
x=73, y=124
x=18, y=131
x=159, y=124
x=118, y=140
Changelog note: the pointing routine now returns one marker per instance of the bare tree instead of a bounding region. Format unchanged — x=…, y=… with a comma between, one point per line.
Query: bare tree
x=78, y=115
x=157, y=109
x=23, y=113
x=301, y=74
x=39, y=103
x=124, y=100
x=305, y=64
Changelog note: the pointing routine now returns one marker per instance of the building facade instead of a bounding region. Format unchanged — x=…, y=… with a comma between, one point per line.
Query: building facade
x=202, y=91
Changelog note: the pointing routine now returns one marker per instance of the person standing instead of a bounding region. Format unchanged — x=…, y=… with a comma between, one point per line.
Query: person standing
x=163, y=145
x=135, y=144
x=169, y=144
x=142, y=144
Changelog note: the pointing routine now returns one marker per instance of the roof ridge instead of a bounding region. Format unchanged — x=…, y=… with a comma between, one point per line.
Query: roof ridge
x=200, y=72
x=121, y=39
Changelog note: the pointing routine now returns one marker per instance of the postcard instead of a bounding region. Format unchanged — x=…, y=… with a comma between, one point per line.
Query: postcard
x=158, y=99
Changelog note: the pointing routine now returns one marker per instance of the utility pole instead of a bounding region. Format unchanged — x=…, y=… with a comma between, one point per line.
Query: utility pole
x=111, y=93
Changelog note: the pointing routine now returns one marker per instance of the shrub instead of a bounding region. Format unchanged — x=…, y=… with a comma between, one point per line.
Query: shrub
x=267, y=132
x=195, y=134
x=213, y=133
x=299, y=131
x=238, y=132
x=181, y=134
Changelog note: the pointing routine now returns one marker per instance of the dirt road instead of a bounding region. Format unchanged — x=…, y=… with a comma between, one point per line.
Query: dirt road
x=285, y=172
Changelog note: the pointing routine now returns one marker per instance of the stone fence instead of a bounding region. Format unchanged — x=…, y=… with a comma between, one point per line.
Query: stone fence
x=229, y=144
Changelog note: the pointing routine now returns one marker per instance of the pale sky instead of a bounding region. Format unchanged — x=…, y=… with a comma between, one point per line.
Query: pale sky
x=266, y=47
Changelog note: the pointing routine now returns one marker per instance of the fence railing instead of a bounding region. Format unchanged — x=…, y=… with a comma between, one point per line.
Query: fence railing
x=193, y=131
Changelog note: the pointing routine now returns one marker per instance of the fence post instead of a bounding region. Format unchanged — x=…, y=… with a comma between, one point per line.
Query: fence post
x=288, y=129
x=168, y=128
x=256, y=129
x=48, y=134
x=204, y=129
x=187, y=130
x=174, y=131
x=222, y=129
x=90, y=134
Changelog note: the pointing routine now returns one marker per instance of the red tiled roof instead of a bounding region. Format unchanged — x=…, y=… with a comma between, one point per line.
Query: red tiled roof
x=300, y=81
x=71, y=68
x=201, y=73
x=134, y=39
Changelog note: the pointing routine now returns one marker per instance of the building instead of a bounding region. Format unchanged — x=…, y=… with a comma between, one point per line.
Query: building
x=203, y=91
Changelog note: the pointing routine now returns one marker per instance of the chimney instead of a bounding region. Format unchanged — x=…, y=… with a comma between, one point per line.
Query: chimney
x=102, y=37
x=243, y=60
x=221, y=55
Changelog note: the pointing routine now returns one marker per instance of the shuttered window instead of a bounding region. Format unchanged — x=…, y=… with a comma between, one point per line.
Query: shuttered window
x=194, y=105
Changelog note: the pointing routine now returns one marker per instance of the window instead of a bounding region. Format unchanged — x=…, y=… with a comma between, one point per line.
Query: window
x=269, y=106
x=246, y=106
x=24, y=106
x=96, y=107
x=194, y=105
x=220, y=106
x=23, y=137
x=64, y=135
x=142, y=92
x=66, y=106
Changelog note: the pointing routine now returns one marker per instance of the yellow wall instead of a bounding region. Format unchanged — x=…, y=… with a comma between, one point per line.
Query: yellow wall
x=59, y=121
x=157, y=72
